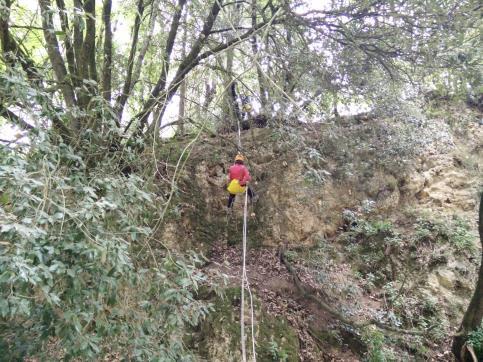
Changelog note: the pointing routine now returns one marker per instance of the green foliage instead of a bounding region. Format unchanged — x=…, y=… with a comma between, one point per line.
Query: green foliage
x=276, y=340
x=76, y=264
x=376, y=346
x=456, y=232
x=475, y=339
x=391, y=144
x=367, y=241
x=314, y=164
x=374, y=228
x=277, y=353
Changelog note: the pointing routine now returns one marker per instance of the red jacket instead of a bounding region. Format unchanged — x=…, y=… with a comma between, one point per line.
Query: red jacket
x=239, y=172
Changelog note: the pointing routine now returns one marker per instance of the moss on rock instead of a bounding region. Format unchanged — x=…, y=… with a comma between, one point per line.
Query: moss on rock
x=219, y=336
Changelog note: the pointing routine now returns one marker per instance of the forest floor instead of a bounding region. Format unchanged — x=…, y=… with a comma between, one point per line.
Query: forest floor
x=321, y=335
x=273, y=286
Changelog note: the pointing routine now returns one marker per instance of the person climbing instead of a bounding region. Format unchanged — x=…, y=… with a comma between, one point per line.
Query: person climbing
x=238, y=179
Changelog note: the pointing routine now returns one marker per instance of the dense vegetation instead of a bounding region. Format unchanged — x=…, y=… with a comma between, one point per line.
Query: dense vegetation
x=89, y=91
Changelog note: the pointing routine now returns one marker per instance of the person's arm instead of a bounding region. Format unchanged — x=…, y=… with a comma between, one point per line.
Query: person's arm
x=246, y=177
x=228, y=177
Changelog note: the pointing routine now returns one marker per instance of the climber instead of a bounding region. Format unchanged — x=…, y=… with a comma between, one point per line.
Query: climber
x=238, y=178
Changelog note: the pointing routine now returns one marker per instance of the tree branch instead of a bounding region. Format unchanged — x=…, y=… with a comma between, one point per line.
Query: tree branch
x=334, y=312
x=173, y=31
x=54, y=54
x=195, y=50
x=11, y=50
x=145, y=45
x=191, y=61
x=69, y=49
x=217, y=31
x=10, y=116
x=126, y=89
x=13, y=53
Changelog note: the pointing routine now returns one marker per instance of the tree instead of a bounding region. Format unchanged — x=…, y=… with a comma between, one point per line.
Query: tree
x=90, y=101
x=474, y=314
x=73, y=58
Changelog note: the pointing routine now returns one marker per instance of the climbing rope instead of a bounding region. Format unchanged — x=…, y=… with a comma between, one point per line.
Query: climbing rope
x=244, y=279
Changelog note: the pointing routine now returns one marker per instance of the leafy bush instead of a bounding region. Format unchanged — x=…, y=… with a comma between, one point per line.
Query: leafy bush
x=76, y=264
x=373, y=228
x=376, y=347
x=475, y=339
x=277, y=353
x=387, y=144
x=455, y=232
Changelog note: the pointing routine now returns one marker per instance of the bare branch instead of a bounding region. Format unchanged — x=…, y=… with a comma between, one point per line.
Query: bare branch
x=190, y=62
x=161, y=83
x=145, y=45
x=10, y=116
x=30, y=27
x=217, y=31
x=173, y=31
x=313, y=297
x=126, y=89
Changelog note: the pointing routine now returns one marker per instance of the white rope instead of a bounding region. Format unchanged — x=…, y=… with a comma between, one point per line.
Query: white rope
x=239, y=136
x=245, y=283
x=242, y=302
x=245, y=277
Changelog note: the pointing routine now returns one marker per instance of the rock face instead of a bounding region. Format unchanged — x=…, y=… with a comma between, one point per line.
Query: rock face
x=305, y=199
x=297, y=208
x=449, y=182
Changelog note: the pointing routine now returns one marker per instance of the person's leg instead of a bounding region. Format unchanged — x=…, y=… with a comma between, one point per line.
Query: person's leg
x=251, y=194
x=231, y=199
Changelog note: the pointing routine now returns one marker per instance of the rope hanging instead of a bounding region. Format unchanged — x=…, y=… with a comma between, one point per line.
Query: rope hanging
x=245, y=283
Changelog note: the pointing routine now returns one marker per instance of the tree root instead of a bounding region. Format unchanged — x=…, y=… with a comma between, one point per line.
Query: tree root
x=336, y=314
x=472, y=353
x=467, y=347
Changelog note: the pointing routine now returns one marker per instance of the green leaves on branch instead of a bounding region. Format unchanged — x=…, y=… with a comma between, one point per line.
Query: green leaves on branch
x=71, y=262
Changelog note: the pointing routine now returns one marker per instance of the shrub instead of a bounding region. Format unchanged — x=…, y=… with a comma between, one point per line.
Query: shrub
x=277, y=353
x=76, y=265
x=455, y=232
x=376, y=346
x=475, y=339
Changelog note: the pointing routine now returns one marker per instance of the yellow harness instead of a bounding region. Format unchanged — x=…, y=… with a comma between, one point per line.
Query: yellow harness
x=234, y=187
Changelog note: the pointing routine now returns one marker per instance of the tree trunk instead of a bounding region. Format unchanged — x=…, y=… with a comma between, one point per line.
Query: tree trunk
x=126, y=89
x=107, y=69
x=188, y=63
x=474, y=314
x=146, y=43
x=261, y=81
x=78, y=34
x=182, y=90
x=231, y=106
x=69, y=49
x=230, y=97
x=55, y=56
x=191, y=61
x=161, y=84
x=89, y=50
